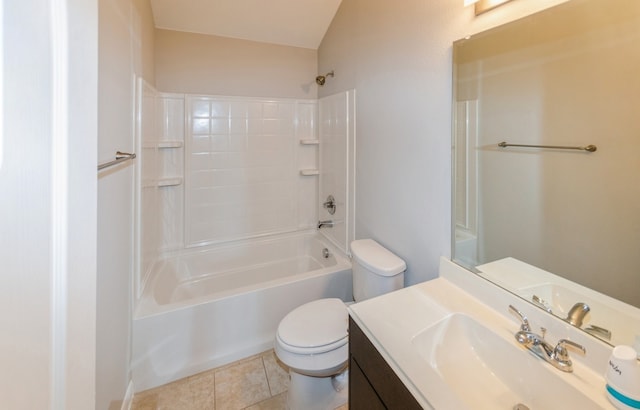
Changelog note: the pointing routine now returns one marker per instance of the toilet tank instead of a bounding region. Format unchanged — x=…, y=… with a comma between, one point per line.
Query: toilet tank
x=376, y=270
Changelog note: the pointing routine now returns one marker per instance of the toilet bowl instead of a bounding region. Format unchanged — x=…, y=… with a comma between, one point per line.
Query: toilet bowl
x=312, y=340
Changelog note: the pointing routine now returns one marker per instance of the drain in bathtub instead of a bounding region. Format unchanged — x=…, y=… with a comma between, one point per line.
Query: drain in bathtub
x=520, y=406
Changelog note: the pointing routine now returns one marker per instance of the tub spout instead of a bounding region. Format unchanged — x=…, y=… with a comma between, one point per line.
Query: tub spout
x=322, y=224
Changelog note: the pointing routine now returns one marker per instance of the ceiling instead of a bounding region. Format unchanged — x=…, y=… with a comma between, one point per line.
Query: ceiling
x=298, y=23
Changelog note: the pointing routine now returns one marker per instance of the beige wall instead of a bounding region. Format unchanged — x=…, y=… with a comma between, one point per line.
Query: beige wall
x=144, y=40
x=399, y=61
x=204, y=64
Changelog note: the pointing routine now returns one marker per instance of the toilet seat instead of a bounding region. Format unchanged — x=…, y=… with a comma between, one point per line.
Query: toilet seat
x=315, y=327
x=312, y=340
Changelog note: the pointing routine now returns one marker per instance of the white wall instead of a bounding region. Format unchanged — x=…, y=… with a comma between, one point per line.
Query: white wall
x=47, y=211
x=398, y=58
x=123, y=53
x=204, y=64
x=82, y=199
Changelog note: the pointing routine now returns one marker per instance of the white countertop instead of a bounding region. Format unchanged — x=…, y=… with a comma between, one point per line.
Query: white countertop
x=392, y=321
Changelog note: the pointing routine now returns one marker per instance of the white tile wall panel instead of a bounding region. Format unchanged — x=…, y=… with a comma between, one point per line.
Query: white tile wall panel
x=146, y=230
x=270, y=110
x=254, y=126
x=270, y=127
x=254, y=109
x=201, y=161
x=200, y=144
x=170, y=162
x=238, y=109
x=336, y=162
x=172, y=208
x=200, y=108
x=171, y=117
x=161, y=156
x=202, y=179
x=200, y=126
x=240, y=161
x=242, y=167
x=238, y=126
x=219, y=108
x=306, y=128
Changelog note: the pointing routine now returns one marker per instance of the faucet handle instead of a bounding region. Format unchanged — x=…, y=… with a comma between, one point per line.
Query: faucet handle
x=561, y=353
x=525, y=327
x=330, y=205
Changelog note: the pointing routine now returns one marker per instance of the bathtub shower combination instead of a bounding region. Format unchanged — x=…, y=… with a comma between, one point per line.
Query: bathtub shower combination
x=228, y=239
x=206, y=308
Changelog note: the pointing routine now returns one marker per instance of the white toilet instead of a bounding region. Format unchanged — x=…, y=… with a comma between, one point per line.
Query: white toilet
x=312, y=339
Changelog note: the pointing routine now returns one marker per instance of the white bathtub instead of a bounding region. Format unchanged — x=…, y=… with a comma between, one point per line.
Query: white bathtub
x=202, y=309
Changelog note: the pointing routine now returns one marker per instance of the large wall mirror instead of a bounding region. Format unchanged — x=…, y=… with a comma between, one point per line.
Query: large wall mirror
x=554, y=214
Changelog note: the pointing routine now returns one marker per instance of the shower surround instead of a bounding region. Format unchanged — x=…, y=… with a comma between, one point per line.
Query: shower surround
x=228, y=207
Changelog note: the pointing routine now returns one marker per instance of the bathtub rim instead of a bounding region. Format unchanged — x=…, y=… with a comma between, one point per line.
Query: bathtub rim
x=147, y=306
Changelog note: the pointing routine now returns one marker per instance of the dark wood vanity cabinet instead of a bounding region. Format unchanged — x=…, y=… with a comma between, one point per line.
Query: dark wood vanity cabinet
x=372, y=383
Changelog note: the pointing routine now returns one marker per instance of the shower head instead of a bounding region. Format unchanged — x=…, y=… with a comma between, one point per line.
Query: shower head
x=321, y=79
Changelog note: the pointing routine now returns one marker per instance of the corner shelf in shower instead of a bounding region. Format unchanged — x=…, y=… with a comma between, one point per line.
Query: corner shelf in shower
x=309, y=172
x=170, y=144
x=162, y=182
x=163, y=144
x=309, y=141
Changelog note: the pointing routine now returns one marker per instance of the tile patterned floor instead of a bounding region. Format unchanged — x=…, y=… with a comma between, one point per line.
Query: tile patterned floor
x=258, y=382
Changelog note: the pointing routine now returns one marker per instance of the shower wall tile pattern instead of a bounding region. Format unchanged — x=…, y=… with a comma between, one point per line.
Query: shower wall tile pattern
x=243, y=158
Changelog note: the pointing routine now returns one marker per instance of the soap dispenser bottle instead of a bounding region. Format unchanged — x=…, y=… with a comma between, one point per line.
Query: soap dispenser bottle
x=623, y=378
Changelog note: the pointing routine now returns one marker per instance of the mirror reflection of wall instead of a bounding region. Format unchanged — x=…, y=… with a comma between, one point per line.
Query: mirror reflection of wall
x=566, y=76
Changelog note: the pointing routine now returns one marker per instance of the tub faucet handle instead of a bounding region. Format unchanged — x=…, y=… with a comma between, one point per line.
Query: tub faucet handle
x=330, y=205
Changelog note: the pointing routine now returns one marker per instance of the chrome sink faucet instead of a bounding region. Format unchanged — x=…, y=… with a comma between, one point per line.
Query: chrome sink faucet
x=557, y=356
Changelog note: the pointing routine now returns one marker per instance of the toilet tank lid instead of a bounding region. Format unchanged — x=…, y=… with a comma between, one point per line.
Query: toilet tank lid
x=377, y=258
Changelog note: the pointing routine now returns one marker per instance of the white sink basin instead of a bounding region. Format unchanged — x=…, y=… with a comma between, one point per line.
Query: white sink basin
x=485, y=371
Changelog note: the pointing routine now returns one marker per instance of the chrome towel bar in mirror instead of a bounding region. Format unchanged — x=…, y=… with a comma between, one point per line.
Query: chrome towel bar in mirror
x=588, y=148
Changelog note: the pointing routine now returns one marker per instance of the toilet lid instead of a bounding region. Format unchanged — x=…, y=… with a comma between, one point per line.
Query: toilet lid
x=317, y=326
